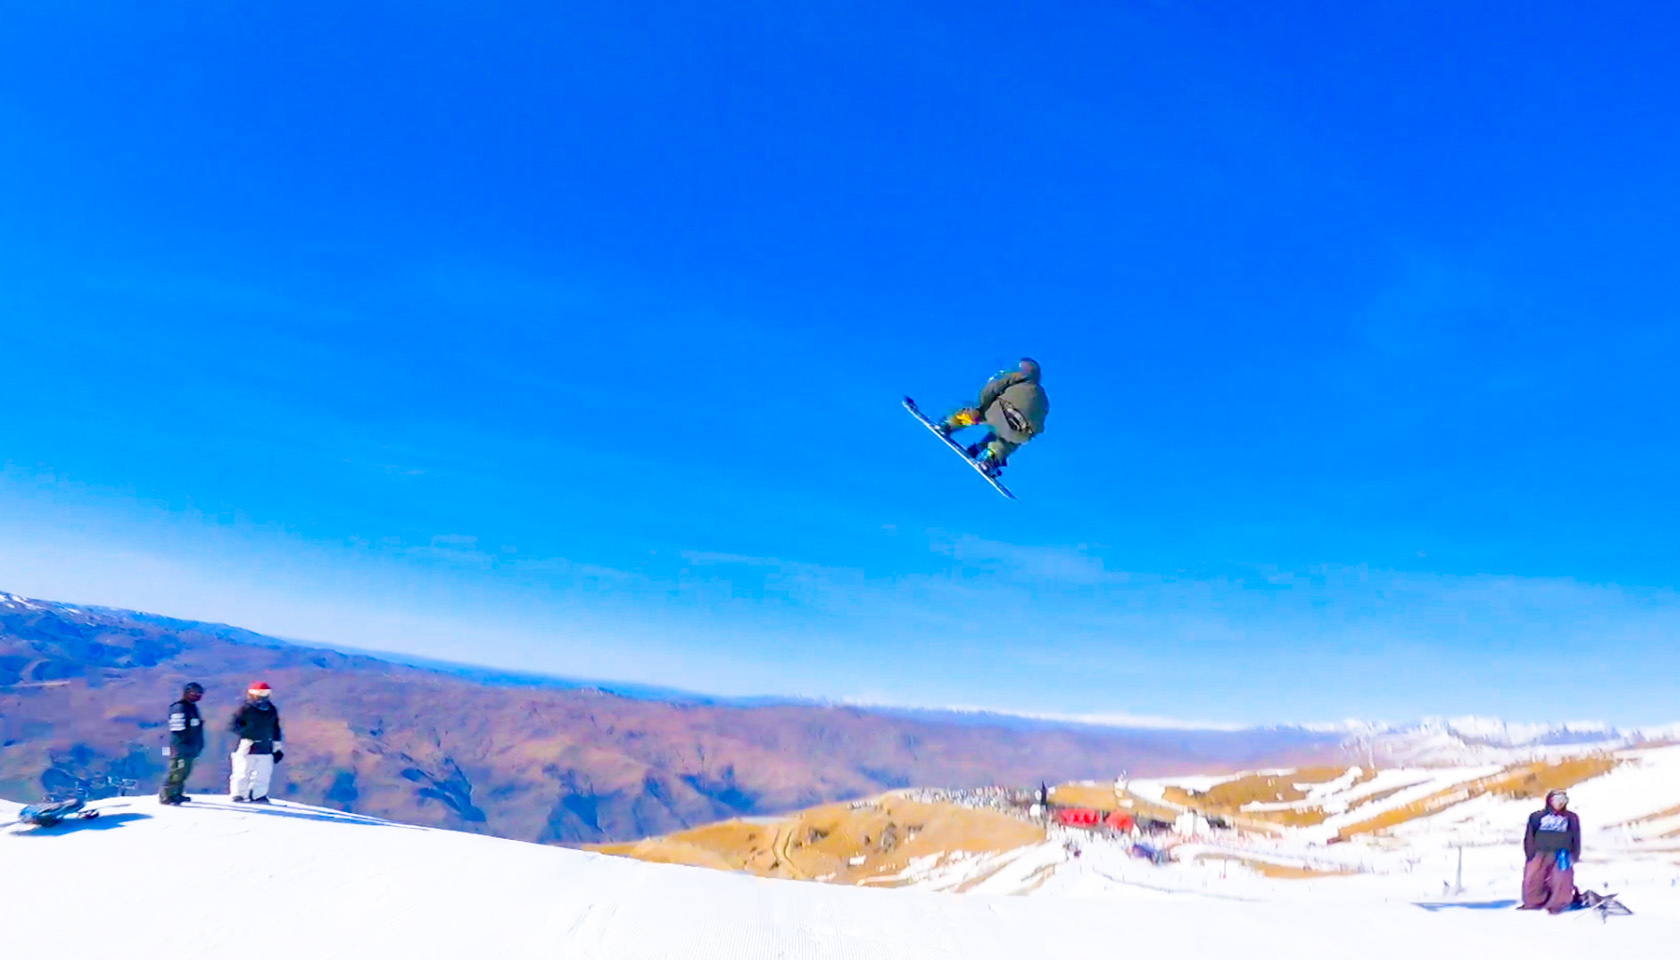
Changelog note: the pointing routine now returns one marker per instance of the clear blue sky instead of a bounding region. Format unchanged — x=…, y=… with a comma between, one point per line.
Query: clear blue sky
x=570, y=337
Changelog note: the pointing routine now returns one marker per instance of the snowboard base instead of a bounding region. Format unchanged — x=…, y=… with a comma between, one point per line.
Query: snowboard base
x=957, y=448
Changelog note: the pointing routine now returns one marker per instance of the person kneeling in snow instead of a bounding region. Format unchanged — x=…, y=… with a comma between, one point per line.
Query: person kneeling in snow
x=257, y=723
x=1551, y=845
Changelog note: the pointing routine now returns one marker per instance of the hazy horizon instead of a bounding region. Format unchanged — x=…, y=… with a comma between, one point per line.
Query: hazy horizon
x=479, y=670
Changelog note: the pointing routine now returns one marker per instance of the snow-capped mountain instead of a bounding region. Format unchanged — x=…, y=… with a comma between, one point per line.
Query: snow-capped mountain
x=1461, y=740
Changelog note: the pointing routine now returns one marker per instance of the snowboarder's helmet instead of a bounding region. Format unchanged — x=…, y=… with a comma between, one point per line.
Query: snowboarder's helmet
x=1557, y=798
x=1029, y=367
x=191, y=689
x=258, y=689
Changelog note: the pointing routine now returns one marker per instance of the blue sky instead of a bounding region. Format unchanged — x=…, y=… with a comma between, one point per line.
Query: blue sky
x=570, y=338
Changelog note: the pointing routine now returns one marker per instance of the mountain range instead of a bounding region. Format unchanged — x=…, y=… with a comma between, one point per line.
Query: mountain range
x=84, y=690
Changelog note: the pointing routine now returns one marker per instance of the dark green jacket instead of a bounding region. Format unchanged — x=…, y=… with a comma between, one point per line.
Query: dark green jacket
x=1015, y=406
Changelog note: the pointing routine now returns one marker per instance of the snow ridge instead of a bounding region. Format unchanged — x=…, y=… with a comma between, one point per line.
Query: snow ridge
x=1437, y=741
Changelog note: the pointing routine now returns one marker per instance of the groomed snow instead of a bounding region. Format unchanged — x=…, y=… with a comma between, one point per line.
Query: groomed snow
x=215, y=880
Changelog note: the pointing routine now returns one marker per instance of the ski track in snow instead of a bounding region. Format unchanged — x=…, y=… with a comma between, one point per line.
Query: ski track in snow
x=288, y=881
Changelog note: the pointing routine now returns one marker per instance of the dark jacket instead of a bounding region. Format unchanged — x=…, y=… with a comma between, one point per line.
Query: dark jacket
x=1015, y=406
x=259, y=722
x=186, y=730
x=1549, y=832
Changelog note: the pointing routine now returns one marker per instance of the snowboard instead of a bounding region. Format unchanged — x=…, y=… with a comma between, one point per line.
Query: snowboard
x=1605, y=903
x=960, y=451
x=50, y=814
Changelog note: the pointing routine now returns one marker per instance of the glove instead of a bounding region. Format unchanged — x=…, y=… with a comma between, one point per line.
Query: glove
x=279, y=755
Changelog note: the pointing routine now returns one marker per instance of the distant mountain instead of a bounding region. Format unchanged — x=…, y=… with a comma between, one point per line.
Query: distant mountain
x=83, y=691
x=497, y=676
x=1439, y=741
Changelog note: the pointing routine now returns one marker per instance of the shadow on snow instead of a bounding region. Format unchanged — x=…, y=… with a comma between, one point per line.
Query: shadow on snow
x=296, y=813
x=1468, y=905
x=109, y=821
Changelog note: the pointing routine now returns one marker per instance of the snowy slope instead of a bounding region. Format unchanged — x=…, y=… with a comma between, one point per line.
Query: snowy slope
x=1464, y=855
x=288, y=881
x=1630, y=809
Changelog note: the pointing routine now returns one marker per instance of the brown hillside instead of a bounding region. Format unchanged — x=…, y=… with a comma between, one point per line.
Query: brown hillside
x=1530, y=780
x=1228, y=798
x=839, y=843
x=83, y=694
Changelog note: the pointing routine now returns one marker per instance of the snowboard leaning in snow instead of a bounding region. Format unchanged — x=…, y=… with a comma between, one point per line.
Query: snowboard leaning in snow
x=1605, y=903
x=910, y=405
x=49, y=814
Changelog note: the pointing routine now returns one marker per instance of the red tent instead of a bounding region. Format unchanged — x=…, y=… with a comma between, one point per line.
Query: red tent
x=1120, y=820
x=1077, y=817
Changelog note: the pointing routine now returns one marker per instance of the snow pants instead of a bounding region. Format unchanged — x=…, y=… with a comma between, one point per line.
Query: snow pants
x=972, y=416
x=1544, y=885
x=251, y=775
x=180, y=768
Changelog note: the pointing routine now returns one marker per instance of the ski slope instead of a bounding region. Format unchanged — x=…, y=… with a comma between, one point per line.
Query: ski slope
x=1466, y=852
x=217, y=880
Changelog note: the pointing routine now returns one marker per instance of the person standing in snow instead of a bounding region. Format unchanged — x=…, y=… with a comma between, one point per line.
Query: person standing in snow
x=1551, y=845
x=1014, y=406
x=186, y=742
x=257, y=724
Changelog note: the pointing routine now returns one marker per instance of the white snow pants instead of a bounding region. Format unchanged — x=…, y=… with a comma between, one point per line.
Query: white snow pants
x=251, y=775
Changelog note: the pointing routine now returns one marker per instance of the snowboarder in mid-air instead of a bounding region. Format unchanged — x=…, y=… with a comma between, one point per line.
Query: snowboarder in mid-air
x=1013, y=406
